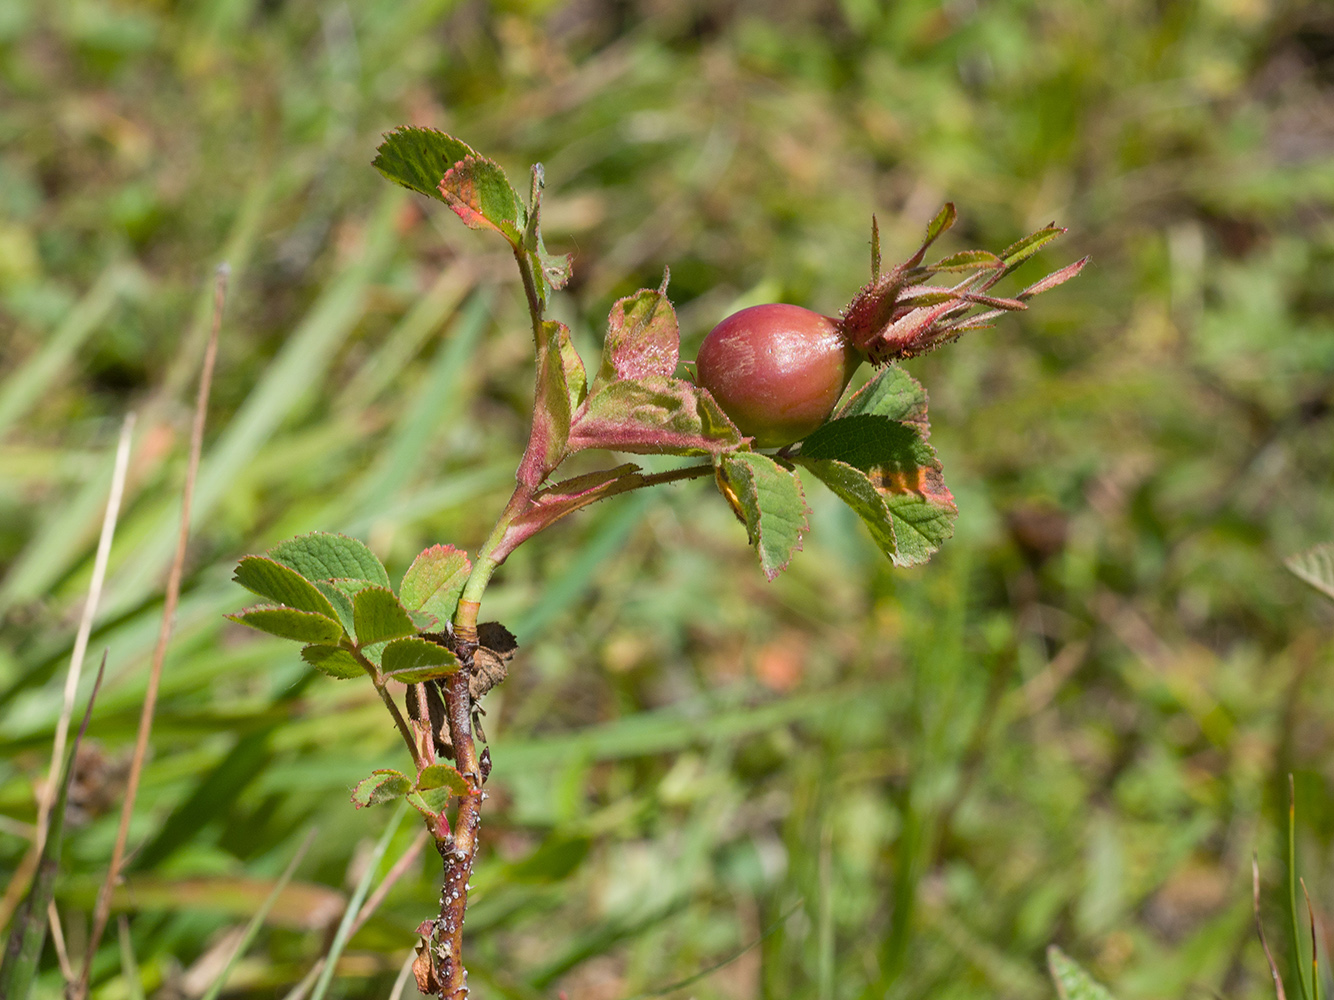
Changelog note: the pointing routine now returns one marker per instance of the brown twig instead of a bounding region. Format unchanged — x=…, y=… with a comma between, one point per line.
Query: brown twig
x=102, y=911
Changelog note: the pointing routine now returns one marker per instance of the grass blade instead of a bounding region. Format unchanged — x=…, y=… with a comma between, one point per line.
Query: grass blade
x=257, y=920
x=129, y=966
x=1292, y=887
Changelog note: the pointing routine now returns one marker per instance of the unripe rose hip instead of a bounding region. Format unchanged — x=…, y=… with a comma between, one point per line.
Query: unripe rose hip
x=776, y=370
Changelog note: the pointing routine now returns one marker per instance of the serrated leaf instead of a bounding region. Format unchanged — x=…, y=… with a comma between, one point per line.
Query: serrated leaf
x=269, y=578
x=1315, y=566
x=288, y=623
x=323, y=555
x=653, y=416
x=1072, y=982
x=854, y=488
x=891, y=393
x=442, y=776
x=383, y=785
x=867, y=441
x=643, y=338
x=481, y=195
x=333, y=661
x=435, y=580
x=430, y=803
x=425, y=621
x=413, y=660
x=378, y=616
x=340, y=593
x=418, y=158
x=551, y=407
x=772, y=504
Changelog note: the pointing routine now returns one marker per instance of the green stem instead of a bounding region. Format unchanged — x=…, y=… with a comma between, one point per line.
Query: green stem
x=380, y=688
x=530, y=290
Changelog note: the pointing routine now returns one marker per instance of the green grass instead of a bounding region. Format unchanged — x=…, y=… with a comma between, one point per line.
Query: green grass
x=1073, y=726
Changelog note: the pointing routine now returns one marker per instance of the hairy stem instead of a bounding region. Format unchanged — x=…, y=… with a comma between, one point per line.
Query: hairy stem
x=530, y=290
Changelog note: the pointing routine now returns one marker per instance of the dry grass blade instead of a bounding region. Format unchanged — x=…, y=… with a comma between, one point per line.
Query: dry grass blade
x=46, y=794
x=1260, y=928
x=102, y=911
x=23, y=950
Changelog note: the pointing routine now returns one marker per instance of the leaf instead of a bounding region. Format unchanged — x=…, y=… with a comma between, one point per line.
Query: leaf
x=435, y=580
x=855, y=489
x=653, y=416
x=383, y=785
x=413, y=660
x=892, y=393
x=280, y=583
x=944, y=220
x=866, y=441
x=326, y=556
x=1072, y=982
x=772, y=504
x=1016, y=253
x=576, y=379
x=417, y=158
x=643, y=338
x=332, y=661
x=442, y=776
x=551, y=408
x=288, y=623
x=480, y=194
x=1315, y=566
x=340, y=600
x=378, y=616
x=430, y=803
x=967, y=260
x=1056, y=278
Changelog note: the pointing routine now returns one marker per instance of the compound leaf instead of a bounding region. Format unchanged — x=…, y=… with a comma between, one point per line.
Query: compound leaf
x=383, y=785
x=323, y=555
x=332, y=661
x=770, y=501
x=435, y=580
x=653, y=416
x=417, y=158
x=280, y=583
x=413, y=660
x=378, y=616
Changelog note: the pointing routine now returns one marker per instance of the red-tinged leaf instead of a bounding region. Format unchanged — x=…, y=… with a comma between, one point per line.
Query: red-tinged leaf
x=944, y=220
x=967, y=260
x=1006, y=305
x=653, y=416
x=383, y=785
x=771, y=503
x=480, y=194
x=417, y=158
x=441, y=776
x=413, y=660
x=378, y=616
x=332, y=661
x=553, y=405
x=643, y=338
x=1052, y=280
x=430, y=803
x=564, y=498
x=288, y=623
x=269, y=578
x=875, y=248
x=322, y=555
x=434, y=581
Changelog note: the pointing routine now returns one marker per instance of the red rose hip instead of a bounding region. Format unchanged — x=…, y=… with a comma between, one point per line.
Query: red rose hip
x=776, y=370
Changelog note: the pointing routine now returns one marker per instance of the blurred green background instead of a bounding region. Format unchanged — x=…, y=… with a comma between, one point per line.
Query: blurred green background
x=1072, y=726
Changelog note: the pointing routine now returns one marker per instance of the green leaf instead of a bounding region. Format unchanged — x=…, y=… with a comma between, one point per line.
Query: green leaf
x=1316, y=567
x=383, y=785
x=288, y=623
x=869, y=442
x=1072, y=982
x=326, y=556
x=855, y=489
x=430, y=803
x=413, y=660
x=653, y=416
x=891, y=393
x=377, y=616
x=340, y=600
x=1017, y=253
x=333, y=661
x=441, y=776
x=551, y=408
x=434, y=581
x=576, y=379
x=283, y=584
x=418, y=158
x=772, y=504
x=967, y=260
x=480, y=194
x=643, y=338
